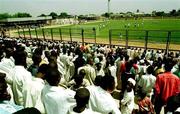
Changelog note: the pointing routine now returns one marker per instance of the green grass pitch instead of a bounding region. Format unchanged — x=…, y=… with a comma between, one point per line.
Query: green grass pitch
x=119, y=26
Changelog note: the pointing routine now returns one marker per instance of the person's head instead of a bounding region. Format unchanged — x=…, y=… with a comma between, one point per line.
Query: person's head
x=82, y=72
x=9, y=52
x=150, y=70
x=168, y=65
x=52, y=65
x=82, y=97
x=47, y=54
x=52, y=59
x=54, y=54
x=126, y=57
x=142, y=95
x=112, y=62
x=98, y=80
x=42, y=71
x=129, y=65
x=4, y=95
x=20, y=58
x=100, y=58
x=130, y=85
x=98, y=66
x=38, y=51
x=64, y=50
x=78, y=79
x=36, y=59
x=89, y=61
x=53, y=77
x=108, y=83
x=28, y=111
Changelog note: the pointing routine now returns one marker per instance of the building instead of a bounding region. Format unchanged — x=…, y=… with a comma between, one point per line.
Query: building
x=25, y=22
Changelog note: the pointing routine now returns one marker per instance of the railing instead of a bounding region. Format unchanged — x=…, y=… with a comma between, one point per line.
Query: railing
x=147, y=39
x=61, y=34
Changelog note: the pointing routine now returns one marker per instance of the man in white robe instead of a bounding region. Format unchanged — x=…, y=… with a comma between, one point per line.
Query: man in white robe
x=32, y=90
x=101, y=99
x=18, y=77
x=127, y=103
x=82, y=98
x=56, y=99
x=90, y=71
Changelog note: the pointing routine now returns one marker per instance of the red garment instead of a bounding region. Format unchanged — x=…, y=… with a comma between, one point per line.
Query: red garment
x=145, y=106
x=135, y=66
x=167, y=85
x=123, y=67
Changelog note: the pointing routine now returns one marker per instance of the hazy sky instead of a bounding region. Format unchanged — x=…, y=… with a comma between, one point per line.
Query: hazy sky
x=37, y=7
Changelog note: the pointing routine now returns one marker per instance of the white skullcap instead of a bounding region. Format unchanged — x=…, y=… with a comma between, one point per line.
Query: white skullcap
x=141, y=61
x=178, y=110
x=96, y=60
x=132, y=81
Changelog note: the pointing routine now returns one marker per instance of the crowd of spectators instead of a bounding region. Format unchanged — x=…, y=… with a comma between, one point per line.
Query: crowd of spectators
x=52, y=77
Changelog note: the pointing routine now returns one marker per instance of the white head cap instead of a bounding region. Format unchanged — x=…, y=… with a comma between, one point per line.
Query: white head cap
x=132, y=81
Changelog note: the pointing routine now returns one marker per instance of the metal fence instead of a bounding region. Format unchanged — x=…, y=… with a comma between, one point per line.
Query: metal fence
x=147, y=39
x=61, y=34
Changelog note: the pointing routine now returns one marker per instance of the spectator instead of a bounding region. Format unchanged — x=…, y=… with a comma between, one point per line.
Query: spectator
x=167, y=85
x=127, y=103
x=6, y=107
x=7, y=63
x=90, y=71
x=32, y=90
x=145, y=105
x=19, y=76
x=36, y=62
x=82, y=98
x=100, y=97
x=147, y=82
x=79, y=81
x=53, y=96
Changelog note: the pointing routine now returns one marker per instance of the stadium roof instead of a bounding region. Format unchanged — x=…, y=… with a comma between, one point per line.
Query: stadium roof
x=26, y=19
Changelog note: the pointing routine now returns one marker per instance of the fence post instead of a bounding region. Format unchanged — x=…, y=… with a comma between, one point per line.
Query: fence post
x=36, y=33
x=126, y=38
x=24, y=33
x=19, y=33
x=29, y=33
x=94, y=30
x=43, y=34
x=110, y=37
x=70, y=34
x=82, y=34
x=60, y=33
x=146, y=40
x=52, y=34
x=168, y=42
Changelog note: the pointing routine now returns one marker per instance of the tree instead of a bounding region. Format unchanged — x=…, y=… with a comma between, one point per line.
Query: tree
x=137, y=11
x=63, y=15
x=53, y=14
x=42, y=15
x=173, y=13
x=19, y=14
x=4, y=16
x=106, y=15
x=178, y=12
x=160, y=13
